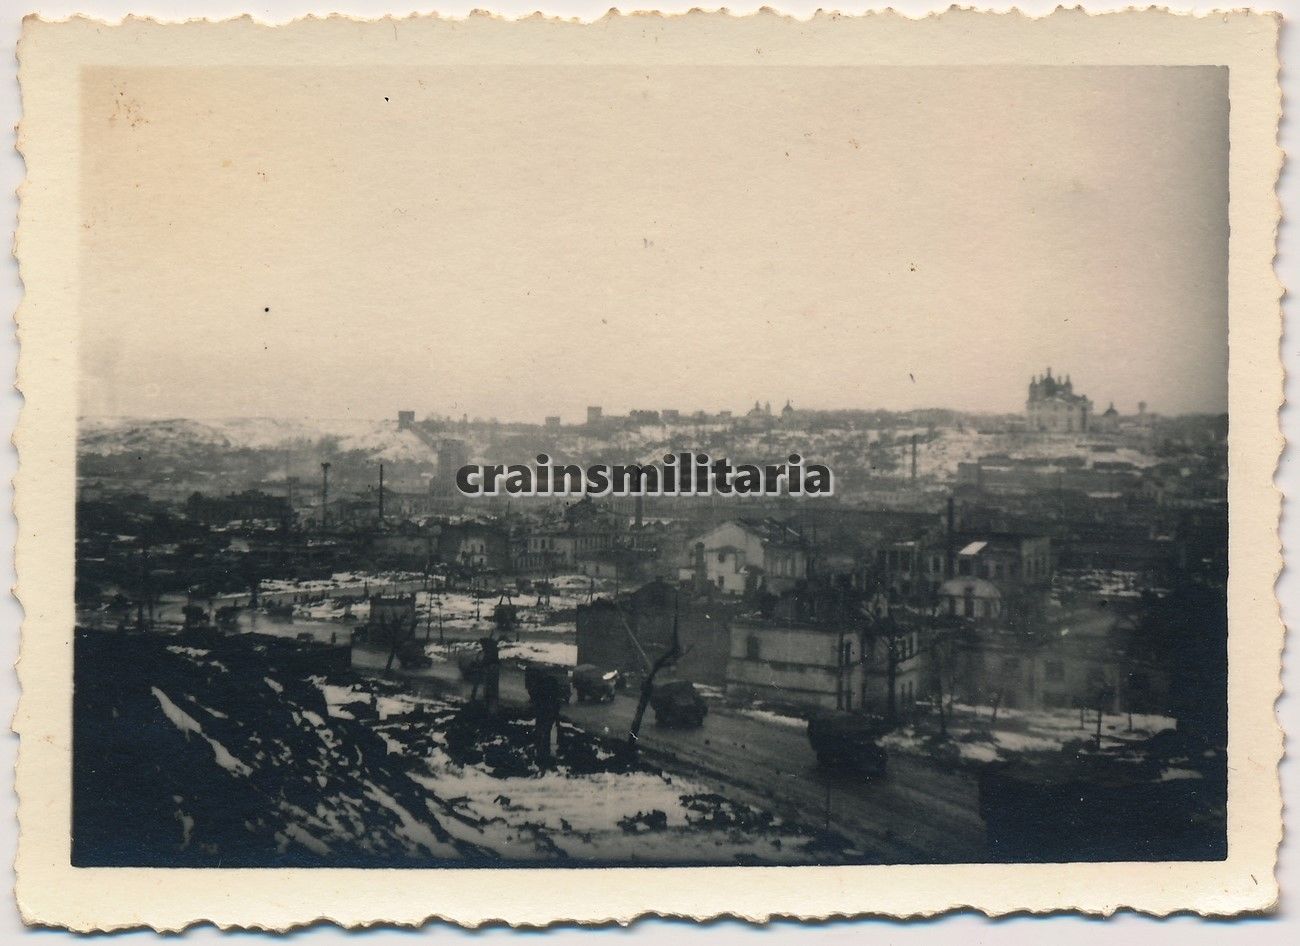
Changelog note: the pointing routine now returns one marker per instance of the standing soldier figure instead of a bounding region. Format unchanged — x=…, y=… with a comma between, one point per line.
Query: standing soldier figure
x=546, y=692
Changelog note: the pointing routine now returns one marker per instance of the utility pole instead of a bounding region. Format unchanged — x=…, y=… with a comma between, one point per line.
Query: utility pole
x=143, y=597
x=324, y=493
x=913, y=458
x=381, y=495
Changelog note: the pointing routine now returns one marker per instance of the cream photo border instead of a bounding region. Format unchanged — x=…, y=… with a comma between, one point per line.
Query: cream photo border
x=52, y=892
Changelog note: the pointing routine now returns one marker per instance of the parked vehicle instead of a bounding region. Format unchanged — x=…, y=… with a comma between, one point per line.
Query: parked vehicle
x=849, y=740
x=594, y=685
x=411, y=656
x=547, y=679
x=678, y=704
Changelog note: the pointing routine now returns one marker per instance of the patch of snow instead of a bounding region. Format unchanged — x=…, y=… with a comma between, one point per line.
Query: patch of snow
x=187, y=724
x=313, y=844
x=767, y=716
x=194, y=652
x=415, y=831
x=543, y=652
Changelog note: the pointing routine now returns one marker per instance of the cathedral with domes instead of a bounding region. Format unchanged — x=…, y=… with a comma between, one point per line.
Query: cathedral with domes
x=1053, y=407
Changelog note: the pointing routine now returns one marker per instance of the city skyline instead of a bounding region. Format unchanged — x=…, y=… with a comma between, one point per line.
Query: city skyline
x=620, y=410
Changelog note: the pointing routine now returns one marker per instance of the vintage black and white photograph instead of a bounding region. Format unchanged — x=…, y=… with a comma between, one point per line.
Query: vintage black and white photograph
x=1002, y=637
x=650, y=464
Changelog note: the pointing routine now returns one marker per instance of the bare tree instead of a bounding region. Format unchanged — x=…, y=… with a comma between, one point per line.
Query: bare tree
x=893, y=638
x=673, y=653
x=943, y=656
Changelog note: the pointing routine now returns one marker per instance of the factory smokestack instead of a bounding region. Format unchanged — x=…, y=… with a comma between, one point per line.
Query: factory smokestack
x=948, y=539
x=324, y=493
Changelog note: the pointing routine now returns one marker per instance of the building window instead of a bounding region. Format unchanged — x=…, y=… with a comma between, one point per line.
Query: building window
x=752, y=650
x=1055, y=671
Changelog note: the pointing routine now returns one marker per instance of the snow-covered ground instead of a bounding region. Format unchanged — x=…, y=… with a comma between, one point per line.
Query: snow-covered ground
x=460, y=614
x=767, y=716
x=939, y=457
x=558, y=653
x=936, y=457
x=376, y=582
x=264, y=767
x=545, y=652
x=574, y=813
x=976, y=737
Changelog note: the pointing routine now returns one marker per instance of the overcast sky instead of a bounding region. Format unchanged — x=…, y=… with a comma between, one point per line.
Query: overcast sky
x=521, y=241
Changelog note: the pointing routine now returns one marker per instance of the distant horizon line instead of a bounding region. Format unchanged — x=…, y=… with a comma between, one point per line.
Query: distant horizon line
x=684, y=416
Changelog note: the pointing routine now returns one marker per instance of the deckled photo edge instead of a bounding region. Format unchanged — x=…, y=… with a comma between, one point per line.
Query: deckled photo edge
x=44, y=488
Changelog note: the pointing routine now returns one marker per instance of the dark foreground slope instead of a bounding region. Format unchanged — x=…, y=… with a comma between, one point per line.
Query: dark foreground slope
x=260, y=752
x=217, y=756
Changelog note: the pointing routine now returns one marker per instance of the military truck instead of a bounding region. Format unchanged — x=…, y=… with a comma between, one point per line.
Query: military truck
x=849, y=740
x=594, y=685
x=678, y=704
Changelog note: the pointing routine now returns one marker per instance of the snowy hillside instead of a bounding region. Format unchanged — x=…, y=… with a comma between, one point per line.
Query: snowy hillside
x=381, y=438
